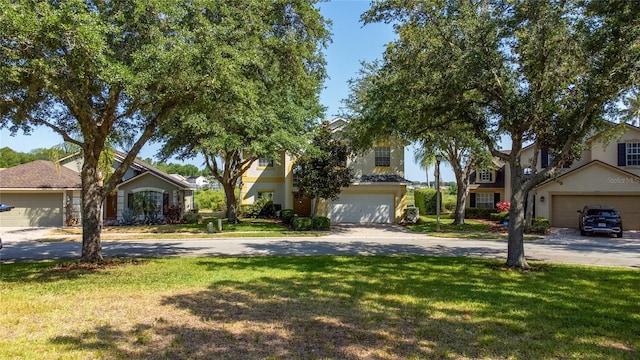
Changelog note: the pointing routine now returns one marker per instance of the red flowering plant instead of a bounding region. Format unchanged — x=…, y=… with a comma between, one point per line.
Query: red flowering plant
x=503, y=206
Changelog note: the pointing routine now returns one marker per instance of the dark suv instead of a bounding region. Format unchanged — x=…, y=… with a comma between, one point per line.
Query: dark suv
x=600, y=219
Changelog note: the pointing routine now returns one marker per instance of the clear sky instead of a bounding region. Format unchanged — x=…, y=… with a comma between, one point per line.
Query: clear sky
x=352, y=43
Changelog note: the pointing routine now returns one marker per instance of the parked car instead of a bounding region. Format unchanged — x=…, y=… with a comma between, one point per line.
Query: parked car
x=600, y=219
x=4, y=207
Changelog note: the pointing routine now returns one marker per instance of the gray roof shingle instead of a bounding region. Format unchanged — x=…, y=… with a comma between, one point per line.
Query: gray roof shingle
x=39, y=174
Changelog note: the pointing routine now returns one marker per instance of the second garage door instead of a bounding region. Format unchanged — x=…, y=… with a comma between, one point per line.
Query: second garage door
x=350, y=208
x=564, y=208
x=32, y=210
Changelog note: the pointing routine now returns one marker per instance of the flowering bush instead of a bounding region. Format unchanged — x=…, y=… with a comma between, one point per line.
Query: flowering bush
x=503, y=206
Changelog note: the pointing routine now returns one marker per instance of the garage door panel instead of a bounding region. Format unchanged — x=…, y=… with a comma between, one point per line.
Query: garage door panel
x=32, y=210
x=564, y=208
x=363, y=208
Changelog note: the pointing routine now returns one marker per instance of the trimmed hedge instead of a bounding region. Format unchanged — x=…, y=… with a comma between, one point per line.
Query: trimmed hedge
x=287, y=216
x=308, y=224
x=302, y=224
x=538, y=226
x=425, y=200
x=499, y=217
x=476, y=213
x=321, y=223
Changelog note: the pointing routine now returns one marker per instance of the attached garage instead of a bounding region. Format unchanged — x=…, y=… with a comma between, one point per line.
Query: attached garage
x=38, y=191
x=595, y=183
x=356, y=208
x=43, y=209
x=564, y=208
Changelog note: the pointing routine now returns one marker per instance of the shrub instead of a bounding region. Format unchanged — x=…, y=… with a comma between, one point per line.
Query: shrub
x=476, y=213
x=192, y=218
x=258, y=208
x=321, y=223
x=129, y=217
x=499, y=217
x=302, y=224
x=448, y=203
x=287, y=215
x=503, y=206
x=538, y=226
x=210, y=199
x=425, y=200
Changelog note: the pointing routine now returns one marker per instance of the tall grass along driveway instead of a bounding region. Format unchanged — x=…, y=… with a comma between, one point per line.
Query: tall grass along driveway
x=325, y=307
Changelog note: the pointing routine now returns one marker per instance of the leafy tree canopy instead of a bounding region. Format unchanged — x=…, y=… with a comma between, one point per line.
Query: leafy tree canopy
x=543, y=72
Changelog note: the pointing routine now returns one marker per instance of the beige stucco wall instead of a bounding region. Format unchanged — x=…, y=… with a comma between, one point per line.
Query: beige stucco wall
x=594, y=179
x=277, y=178
x=365, y=164
x=608, y=152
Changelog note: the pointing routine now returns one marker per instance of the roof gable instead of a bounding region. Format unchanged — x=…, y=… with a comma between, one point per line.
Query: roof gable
x=39, y=174
x=596, y=175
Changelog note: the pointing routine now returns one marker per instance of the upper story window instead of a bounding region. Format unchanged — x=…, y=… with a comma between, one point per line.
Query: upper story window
x=383, y=156
x=485, y=176
x=633, y=153
x=629, y=154
x=264, y=162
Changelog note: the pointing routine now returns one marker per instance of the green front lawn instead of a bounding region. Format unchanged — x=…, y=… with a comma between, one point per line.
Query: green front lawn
x=246, y=228
x=472, y=229
x=325, y=307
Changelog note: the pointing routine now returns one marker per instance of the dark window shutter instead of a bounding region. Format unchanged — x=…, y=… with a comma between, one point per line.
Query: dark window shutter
x=622, y=154
x=472, y=200
x=130, y=201
x=544, y=158
x=496, y=199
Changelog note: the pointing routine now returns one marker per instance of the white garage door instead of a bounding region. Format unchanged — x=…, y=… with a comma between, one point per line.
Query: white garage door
x=362, y=208
x=564, y=209
x=32, y=210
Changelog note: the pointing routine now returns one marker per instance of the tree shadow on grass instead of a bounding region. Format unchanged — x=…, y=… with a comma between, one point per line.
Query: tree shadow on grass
x=377, y=307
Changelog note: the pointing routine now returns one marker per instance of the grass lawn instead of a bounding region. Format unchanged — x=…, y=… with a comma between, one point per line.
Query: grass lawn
x=472, y=229
x=322, y=307
x=246, y=228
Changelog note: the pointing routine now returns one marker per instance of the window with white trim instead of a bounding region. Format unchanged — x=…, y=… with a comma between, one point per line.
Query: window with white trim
x=382, y=156
x=633, y=153
x=265, y=162
x=485, y=176
x=484, y=200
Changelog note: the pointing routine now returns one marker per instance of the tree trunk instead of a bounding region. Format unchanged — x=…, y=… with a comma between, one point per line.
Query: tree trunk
x=232, y=204
x=461, y=199
x=515, y=247
x=91, y=202
x=528, y=217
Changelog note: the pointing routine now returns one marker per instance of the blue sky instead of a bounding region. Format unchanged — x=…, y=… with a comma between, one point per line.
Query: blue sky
x=352, y=43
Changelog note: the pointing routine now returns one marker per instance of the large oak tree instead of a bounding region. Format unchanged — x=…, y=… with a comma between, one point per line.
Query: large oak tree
x=535, y=71
x=268, y=96
x=99, y=72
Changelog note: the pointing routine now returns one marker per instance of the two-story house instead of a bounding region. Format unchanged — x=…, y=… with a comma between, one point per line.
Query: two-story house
x=47, y=194
x=377, y=193
x=607, y=173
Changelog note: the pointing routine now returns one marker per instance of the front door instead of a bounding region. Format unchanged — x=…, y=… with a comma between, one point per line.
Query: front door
x=302, y=206
x=112, y=206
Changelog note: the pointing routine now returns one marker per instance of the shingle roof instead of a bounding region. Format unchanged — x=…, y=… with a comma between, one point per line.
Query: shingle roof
x=381, y=179
x=39, y=174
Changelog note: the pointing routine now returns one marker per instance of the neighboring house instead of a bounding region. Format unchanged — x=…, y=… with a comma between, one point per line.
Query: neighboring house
x=607, y=173
x=377, y=193
x=45, y=194
x=200, y=182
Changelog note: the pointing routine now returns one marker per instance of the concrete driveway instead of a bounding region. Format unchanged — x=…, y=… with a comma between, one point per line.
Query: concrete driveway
x=561, y=246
